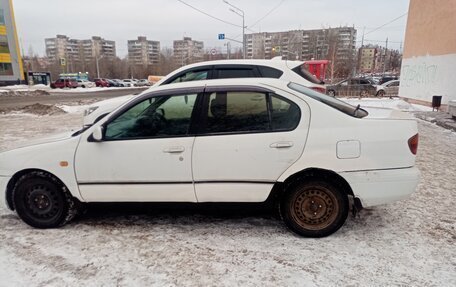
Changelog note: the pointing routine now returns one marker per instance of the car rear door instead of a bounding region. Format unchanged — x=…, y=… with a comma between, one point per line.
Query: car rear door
x=247, y=137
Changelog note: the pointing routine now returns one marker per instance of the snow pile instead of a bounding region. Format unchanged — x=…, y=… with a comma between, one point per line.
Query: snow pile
x=77, y=109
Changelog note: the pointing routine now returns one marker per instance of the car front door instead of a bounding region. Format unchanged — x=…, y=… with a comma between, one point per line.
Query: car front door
x=145, y=154
x=246, y=140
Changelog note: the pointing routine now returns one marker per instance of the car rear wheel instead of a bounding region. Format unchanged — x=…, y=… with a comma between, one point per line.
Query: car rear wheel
x=314, y=209
x=380, y=93
x=42, y=201
x=331, y=93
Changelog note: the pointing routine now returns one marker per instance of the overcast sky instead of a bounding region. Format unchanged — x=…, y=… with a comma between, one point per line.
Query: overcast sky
x=168, y=20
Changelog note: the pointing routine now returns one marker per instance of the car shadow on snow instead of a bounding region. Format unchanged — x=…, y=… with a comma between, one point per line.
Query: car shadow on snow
x=239, y=216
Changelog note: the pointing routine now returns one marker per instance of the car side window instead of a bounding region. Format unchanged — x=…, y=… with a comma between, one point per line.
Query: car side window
x=191, y=76
x=268, y=72
x=285, y=115
x=226, y=73
x=161, y=116
x=237, y=112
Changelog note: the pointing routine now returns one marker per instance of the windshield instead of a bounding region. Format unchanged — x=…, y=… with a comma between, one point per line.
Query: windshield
x=344, y=107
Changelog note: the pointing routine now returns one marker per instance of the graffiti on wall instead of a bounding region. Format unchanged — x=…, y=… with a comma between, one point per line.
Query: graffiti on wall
x=422, y=74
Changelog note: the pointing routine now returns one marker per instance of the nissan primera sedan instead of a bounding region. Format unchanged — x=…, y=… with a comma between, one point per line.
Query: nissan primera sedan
x=232, y=140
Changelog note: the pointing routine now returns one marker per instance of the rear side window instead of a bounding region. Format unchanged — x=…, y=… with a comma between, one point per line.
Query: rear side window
x=239, y=112
x=285, y=115
x=234, y=73
x=268, y=72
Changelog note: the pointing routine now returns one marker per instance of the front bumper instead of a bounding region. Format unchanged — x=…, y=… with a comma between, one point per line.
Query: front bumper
x=377, y=187
x=3, y=184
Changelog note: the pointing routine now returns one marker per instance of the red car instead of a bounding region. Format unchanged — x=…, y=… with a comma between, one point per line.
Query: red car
x=101, y=83
x=64, y=83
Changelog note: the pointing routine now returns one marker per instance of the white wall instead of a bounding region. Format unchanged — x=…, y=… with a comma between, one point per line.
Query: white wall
x=425, y=76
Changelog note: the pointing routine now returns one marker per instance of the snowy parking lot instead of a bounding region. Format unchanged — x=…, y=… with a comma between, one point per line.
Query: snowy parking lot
x=408, y=243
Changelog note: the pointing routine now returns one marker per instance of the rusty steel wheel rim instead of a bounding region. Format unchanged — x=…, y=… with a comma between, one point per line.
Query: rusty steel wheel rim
x=314, y=208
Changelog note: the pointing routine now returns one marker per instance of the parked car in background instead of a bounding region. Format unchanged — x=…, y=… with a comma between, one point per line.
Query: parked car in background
x=390, y=88
x=64, y=83
x=129, y=82
x=352, y=87
x=101, y=82
x=113, y=83
x=143, y=82
x=385, y=79
x=223, y=69
x=120, y=83
x=85, y=84
x=313, y=155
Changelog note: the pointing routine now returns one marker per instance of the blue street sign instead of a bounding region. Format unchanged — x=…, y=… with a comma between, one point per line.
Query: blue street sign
x=221, y=36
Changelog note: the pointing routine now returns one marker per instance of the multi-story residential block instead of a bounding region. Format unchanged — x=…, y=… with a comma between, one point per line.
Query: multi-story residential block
x=75, y=50
x=367, y=59
x=333, y=43
x=188, y=51
x=143, y=51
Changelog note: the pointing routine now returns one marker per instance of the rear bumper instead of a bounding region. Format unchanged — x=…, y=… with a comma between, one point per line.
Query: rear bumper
x=3, y=184
x=377, y=187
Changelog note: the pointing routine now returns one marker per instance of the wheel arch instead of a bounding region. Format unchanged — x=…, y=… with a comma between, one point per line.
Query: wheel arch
x=12, y=182
x=314, y=174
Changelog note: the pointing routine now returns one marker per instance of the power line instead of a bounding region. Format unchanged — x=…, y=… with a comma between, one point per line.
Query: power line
x=209, y=15
x=379, y=27
x=267, y=14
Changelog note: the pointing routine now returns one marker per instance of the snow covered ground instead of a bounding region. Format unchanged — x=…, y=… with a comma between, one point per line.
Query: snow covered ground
x=409, y=243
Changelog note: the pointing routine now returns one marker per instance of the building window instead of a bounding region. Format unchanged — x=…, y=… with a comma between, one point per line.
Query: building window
x=6, y=69
x=4, y=44
x=2, y=17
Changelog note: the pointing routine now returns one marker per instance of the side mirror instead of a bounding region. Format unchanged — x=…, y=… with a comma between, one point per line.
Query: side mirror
x=97, y=134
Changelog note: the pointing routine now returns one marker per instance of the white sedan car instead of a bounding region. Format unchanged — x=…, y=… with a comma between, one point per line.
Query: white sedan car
x=286, y=70
x=237, y=140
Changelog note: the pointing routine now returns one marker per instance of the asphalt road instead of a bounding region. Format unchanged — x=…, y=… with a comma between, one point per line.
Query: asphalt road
x=56, y=96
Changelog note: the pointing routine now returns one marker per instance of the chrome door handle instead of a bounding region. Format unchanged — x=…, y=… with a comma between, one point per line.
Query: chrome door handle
x=281, y=145
x=174, y=149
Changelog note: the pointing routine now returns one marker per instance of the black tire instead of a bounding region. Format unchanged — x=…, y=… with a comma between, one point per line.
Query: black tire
x=380, y=93
x=332, y=93
x=314, y=208
x=42, y=201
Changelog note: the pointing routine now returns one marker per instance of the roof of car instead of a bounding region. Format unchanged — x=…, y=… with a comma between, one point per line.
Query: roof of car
x=270, y=63
x=221, y=82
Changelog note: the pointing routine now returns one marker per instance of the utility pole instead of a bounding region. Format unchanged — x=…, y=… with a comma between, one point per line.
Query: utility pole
x=384, y=57
x=362, y=39
x=239, y=12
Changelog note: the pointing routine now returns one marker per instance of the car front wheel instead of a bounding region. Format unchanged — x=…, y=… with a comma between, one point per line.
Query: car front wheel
x=314, y=209
x=42, y=201
x=331, y=93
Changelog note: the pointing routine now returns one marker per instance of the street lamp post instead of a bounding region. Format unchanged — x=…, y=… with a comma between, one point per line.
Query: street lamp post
x=241, y=14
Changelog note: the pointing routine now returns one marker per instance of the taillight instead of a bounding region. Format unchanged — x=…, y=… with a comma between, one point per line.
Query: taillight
x=413, y=144
x=319, y=89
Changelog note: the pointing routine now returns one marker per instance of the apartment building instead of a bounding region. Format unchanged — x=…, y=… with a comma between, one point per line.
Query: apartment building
x=187, y=51
x=75, y=50
x=143, y=51
x=332, y=44
x=367, y=59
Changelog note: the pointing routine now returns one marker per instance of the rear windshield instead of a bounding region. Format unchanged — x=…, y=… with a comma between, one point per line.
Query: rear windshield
x=302, y=71
x=348, y=109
